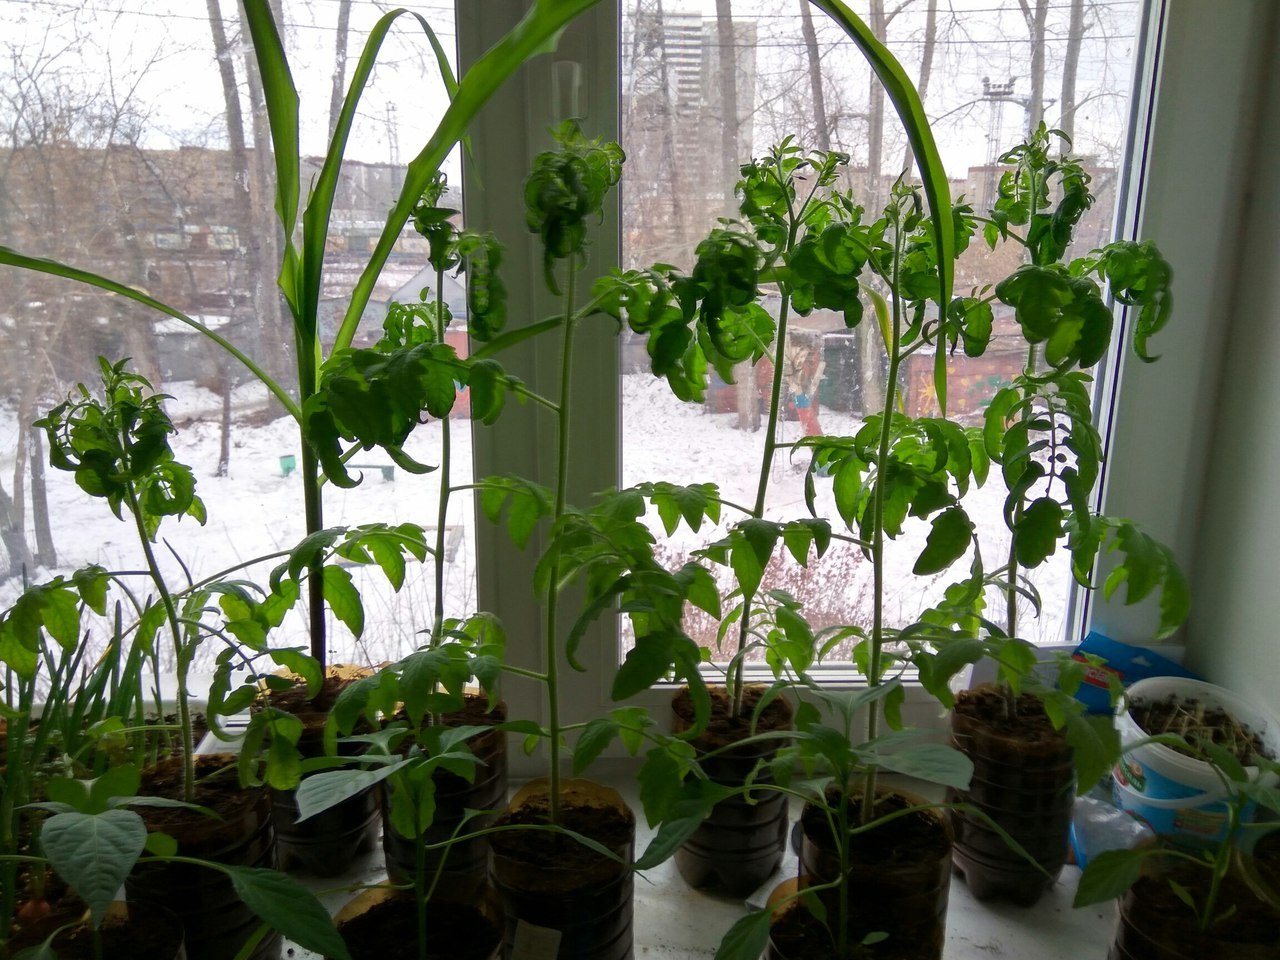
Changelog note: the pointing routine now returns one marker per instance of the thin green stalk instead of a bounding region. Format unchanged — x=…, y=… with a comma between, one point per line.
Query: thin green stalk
x=1011, y=569
x=313, y=503
x=842, y=937
x=442, y=507
x=8, y=835
x=182, y=662
x=762, y=489
x=770, y=439
x=1011, y=572
x=875, y=665
x=419, y=887
x=553, y=588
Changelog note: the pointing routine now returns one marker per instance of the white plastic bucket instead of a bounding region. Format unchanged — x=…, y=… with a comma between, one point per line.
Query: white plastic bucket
x=1177, y=795
x=1200, y=819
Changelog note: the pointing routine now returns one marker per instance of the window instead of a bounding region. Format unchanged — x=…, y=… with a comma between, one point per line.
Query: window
x=156, y=155
x=686, y=136
x=120, y=156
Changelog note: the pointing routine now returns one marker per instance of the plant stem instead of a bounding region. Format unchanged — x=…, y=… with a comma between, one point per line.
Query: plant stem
x=419, y=885
x=842, y=814
x=553, y=587
x=314, y=513
x=1221, y=862
x=875, y=665
x=770, y=439
x=181, y=660
x=1011, y=569
x=762, y=489
x=442, y=510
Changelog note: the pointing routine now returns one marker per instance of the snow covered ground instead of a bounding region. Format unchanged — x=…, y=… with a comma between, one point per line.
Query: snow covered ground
x=257, y=511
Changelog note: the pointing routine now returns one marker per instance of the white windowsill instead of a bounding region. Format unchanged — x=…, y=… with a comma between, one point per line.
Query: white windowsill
x=673, y=922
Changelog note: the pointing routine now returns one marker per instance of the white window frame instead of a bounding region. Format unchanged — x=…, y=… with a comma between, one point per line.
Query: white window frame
x=1190, y=146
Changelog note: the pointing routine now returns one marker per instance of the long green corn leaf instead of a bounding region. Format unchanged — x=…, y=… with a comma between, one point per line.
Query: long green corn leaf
x=315, y=220
x=536, y=33
x=282, y=113
x=933, y=174
x=54, y=268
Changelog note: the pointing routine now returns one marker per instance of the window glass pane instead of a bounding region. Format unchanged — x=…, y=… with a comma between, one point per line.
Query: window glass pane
x=132, y=146
x=708, y=85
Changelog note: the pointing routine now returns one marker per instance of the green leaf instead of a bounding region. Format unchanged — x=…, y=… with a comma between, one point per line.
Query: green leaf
x=93, y=853
x=326, y=789
x=1108, y=875
x=1263, y=795
x=949, y=538
x=595, y=737
x=343, y=598
x=660, y=779
x=701, y=589
x=289, y=907
x=1096, y=746
x=302, y=664
x=62, y=617
x=646, y=663
x=1224, y=760
x=682, y=821
x=746, y=939
x=934, y=762
x=915, y=122
x=1038, y=531
x=161, y=845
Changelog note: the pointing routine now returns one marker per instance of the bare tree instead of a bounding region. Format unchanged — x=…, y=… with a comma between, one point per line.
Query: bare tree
x=274, y=332
x=338, y=93
x=822, y=131
x=1070, y=68
x=727, y=73
x=49, y=112
x=1037, y=21
x=926, y=68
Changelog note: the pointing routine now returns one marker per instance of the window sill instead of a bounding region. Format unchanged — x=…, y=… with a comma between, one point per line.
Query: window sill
x=673, y=922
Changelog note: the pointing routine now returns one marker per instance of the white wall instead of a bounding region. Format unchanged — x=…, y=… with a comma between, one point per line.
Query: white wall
x=1173, y=438
x=1233, y=636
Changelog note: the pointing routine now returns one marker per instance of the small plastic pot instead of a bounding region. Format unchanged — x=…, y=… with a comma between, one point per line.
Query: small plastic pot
x=216, y=922
x=1153, y=928
x=1024, y=781
x=465, y=864
x=898, y=881
x=382, y=924
x=323, y=845
x=130, y=931
x=742, y=842
x=1180, y=796
x=561, y=899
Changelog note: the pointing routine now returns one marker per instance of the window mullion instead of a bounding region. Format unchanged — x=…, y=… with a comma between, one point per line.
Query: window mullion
x=511, y=129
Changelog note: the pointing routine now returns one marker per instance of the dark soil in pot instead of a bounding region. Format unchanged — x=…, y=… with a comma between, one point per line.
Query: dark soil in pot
x=1266, y=857
x=1024, y=780
x=1156, y=925
x=796, y=934
x=327, y=843
x=216, y=922
x=739, y=846
x=1194, y=721
x=130, y=931
x=465, y=864
x=898, y=877
x=562, y=899
x=382, y=924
